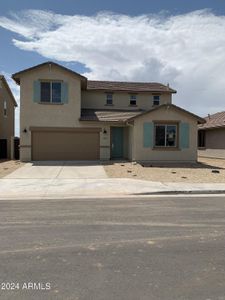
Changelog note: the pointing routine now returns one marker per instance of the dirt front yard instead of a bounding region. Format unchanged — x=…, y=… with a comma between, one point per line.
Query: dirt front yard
x=8, y=166
x=207, y=170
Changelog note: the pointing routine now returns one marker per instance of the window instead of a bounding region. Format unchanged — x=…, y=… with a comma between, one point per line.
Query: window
x=133, y=100
x=156, y=100
x=109, y=99
x=51, y=92
x=165, y=135
x=5, y=108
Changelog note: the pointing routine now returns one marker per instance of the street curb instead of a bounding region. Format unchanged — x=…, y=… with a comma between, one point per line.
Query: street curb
x=213, y=192
x=118, y=196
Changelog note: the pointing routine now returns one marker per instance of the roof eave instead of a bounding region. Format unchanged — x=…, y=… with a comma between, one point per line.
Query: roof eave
x=210, y=127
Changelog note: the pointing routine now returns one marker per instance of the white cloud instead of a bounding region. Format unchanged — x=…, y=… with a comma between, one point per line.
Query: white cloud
x=188, y=51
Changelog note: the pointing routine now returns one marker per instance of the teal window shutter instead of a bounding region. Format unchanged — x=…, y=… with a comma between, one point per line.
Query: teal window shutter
x=148, y=135
x=37, y=91
x=64, y=92
x=184, y=135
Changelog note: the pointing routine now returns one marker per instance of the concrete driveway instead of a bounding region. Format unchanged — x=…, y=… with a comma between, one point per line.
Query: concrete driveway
x=59, y=169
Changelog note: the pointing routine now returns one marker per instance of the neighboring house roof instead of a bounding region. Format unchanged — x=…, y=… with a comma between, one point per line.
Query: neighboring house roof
x=127, y=115
x=128, y=86
x=216, y=120
x=2, y=78
x=16, y=76
x=199, y=119
x=102, y=115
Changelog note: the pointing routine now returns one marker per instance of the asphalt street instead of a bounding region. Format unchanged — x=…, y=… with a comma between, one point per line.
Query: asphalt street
x=113, y=249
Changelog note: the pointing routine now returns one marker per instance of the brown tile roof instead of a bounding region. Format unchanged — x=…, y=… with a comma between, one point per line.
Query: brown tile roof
x=108, y=115
x=133, y=87
x=214, y=121
x=128, y=86
x=104, y=115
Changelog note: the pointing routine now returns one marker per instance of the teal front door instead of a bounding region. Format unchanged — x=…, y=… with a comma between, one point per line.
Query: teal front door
x=117, y=142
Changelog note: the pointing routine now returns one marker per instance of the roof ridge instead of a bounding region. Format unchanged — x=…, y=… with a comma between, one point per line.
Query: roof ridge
x=217, y=113
x=118, y=81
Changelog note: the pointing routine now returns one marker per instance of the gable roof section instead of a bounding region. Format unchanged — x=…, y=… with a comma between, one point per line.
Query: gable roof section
x=115, y=115
x=128, y=86
x=216, y=120
x=199, y=119
x=16, y=76
x=2, y=78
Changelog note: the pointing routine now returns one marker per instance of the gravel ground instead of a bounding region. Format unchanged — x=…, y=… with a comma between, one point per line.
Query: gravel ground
x=8, y=166
x=196, y=173
x=200, y=172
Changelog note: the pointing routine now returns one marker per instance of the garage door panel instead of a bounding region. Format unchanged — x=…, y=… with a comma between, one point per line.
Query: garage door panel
x=65, y=145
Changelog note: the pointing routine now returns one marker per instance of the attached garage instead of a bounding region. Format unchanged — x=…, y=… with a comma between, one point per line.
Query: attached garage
x=65, y=143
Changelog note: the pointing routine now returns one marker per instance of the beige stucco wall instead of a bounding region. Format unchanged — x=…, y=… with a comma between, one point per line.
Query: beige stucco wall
x=215, y=138
x=46, y=115
x=57, y=115
x=97, y=100
x=149, y=154
x=6, y=122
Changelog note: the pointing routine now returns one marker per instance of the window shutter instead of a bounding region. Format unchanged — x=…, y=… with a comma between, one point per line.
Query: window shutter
x=37, y=91
x=184, y=135
x=148, y=135
x=64, y=92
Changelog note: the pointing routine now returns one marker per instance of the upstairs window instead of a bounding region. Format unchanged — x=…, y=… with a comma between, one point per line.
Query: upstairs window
x=165, y=135
x=133, y=100
x=109, y=99
x=5, y=108
x=156, y=100
x=51, y=92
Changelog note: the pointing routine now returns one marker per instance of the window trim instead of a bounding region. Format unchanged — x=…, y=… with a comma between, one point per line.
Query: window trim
x=109, y=94
x=153, y=101
x=51, y=82
x=135, y=96
x=166, y=123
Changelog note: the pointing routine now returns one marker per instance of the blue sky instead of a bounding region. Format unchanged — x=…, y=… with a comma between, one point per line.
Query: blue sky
x=180, y=42
x=20, y=59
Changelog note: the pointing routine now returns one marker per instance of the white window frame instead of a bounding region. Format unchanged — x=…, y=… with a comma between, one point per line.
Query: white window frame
x=154, y=104
x=51, y=82
x=166, y=125
x=133, y=98
x=109, y=98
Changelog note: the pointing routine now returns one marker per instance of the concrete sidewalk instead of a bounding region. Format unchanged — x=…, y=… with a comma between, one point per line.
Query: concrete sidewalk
x=109, y=187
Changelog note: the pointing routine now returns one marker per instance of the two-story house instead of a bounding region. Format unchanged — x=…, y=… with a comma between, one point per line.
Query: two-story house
x=65, y=116
x=7, y=115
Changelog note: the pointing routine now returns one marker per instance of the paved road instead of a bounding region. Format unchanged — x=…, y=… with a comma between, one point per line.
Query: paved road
x=130, y=249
